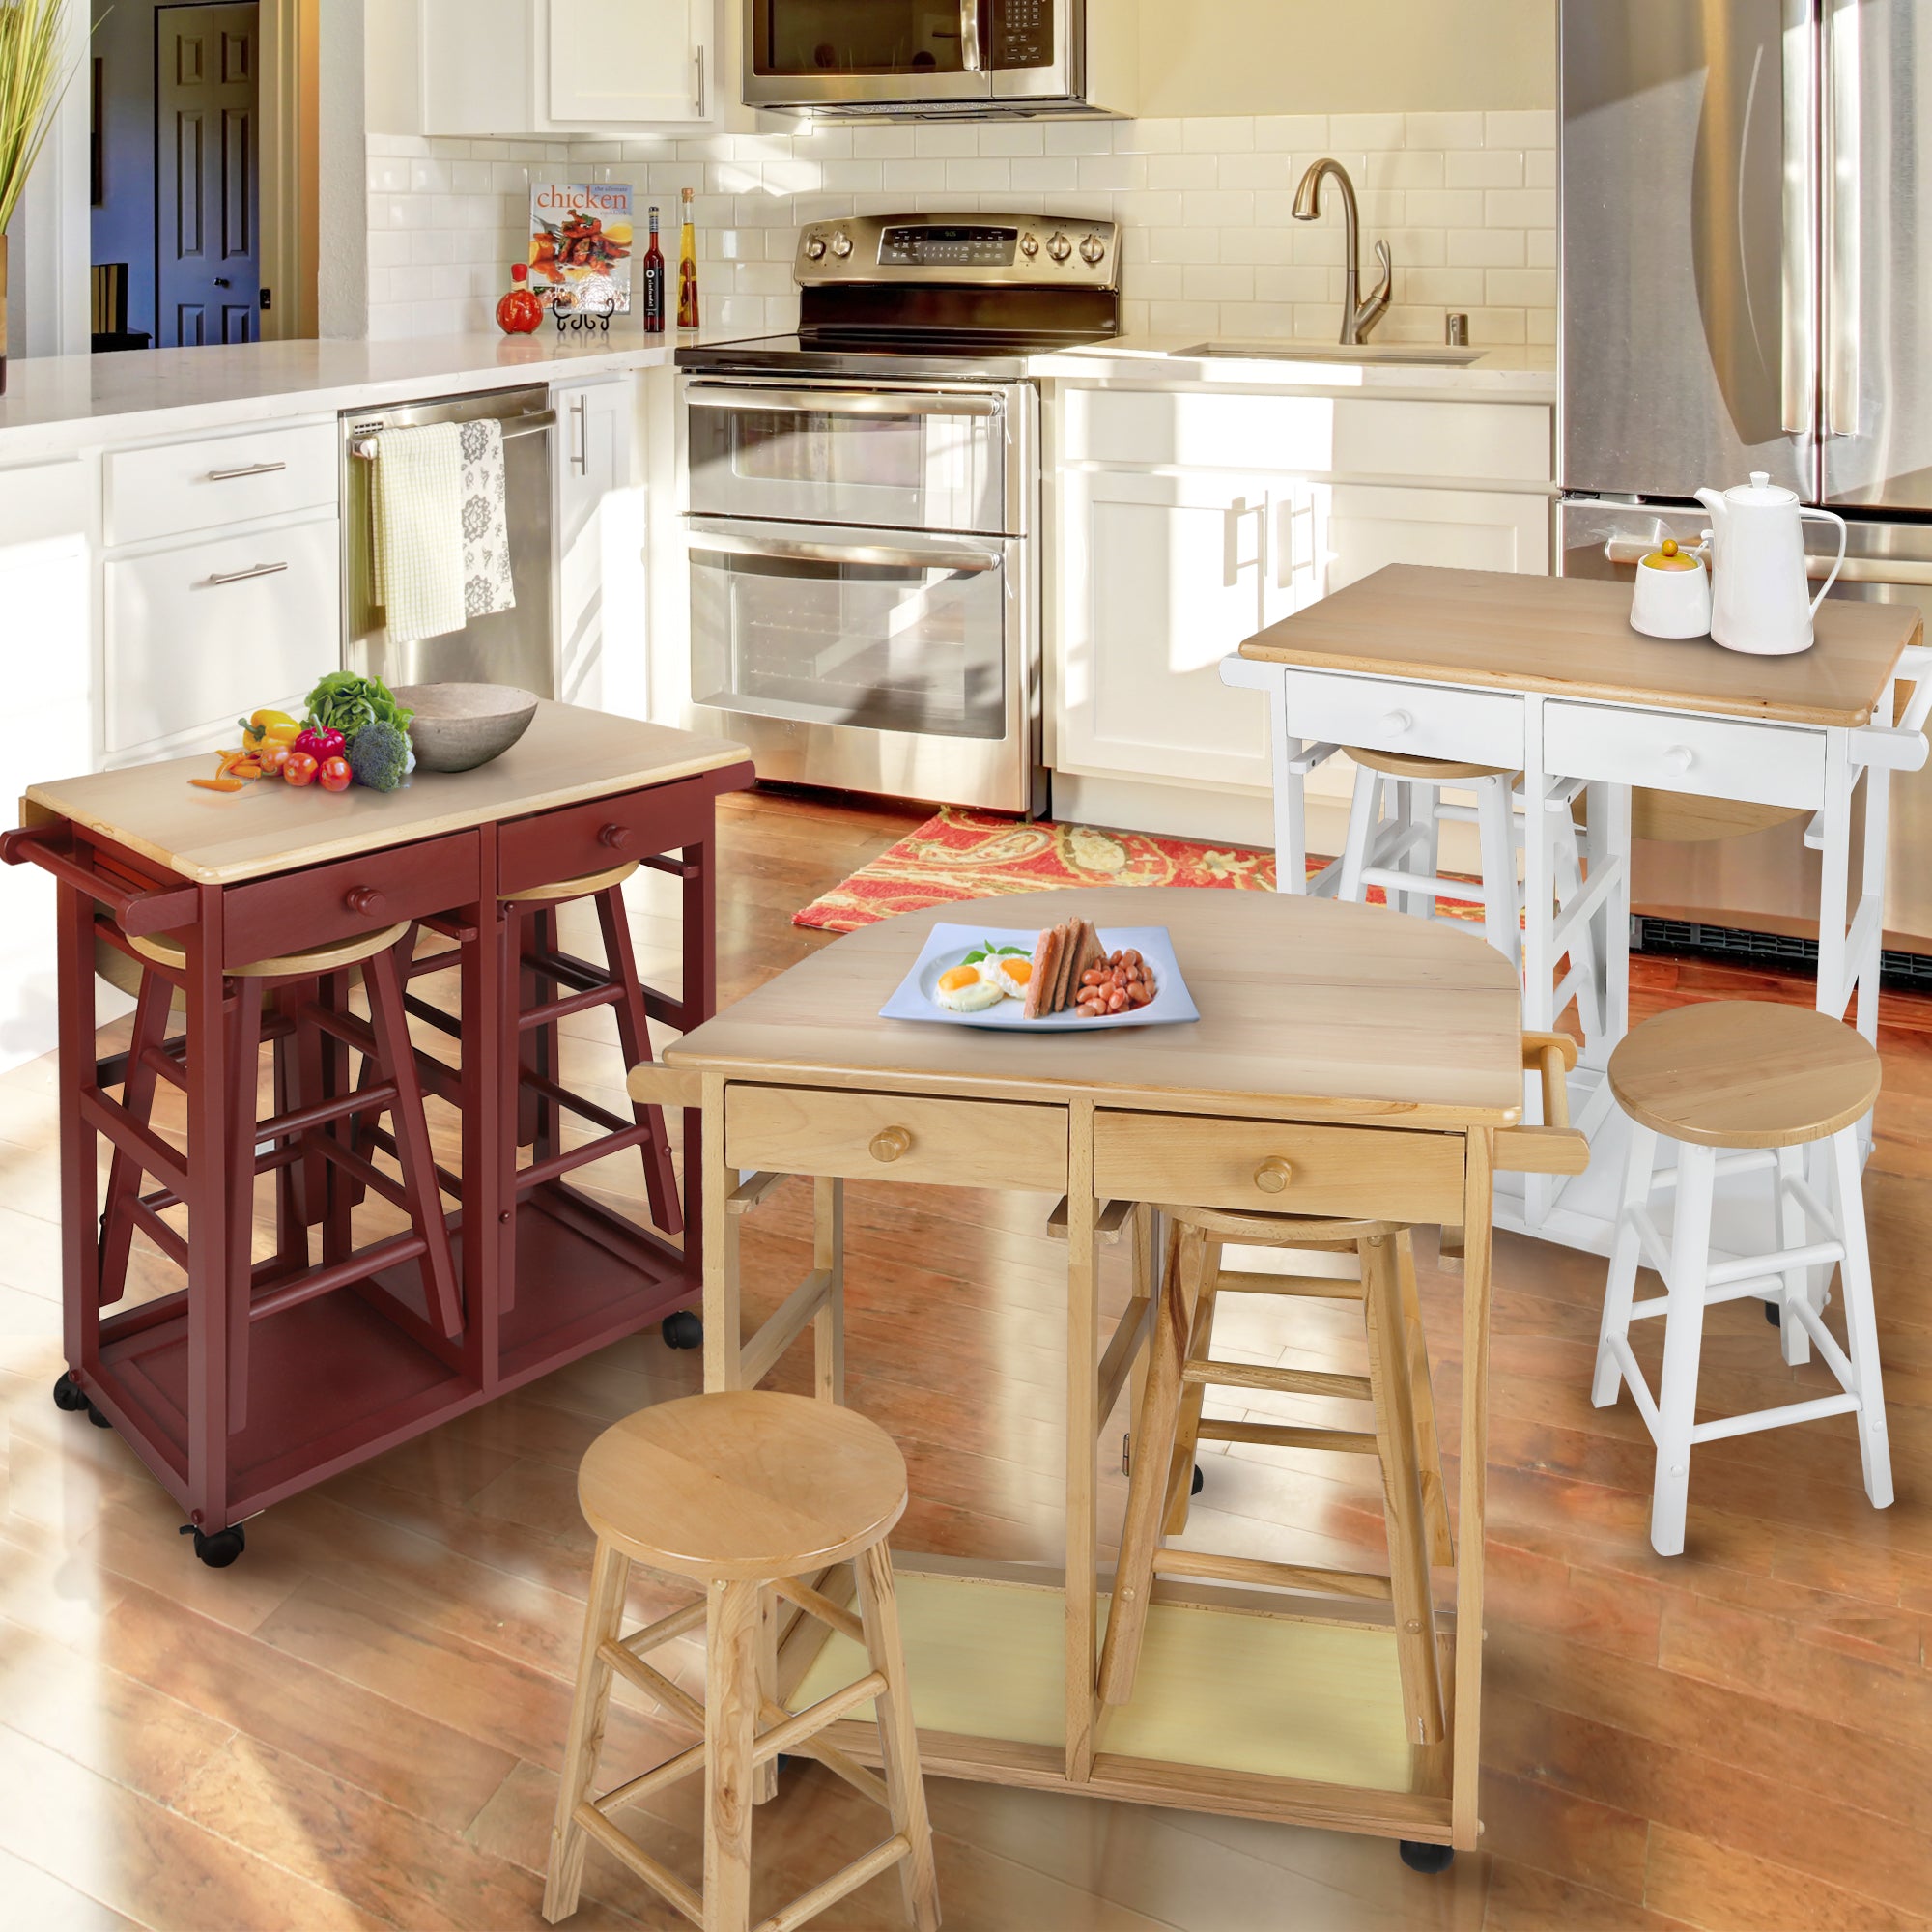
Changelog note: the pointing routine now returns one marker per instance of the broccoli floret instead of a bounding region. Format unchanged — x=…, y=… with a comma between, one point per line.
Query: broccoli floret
x=379, y=754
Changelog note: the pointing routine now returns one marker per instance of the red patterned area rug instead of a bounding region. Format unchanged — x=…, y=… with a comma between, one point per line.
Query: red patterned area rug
x=963, y=855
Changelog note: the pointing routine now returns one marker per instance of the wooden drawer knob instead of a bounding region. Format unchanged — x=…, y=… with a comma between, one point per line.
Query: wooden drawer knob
x=365, y=900
x=1272, y=1175
x=889, y=1143
x=615, y=837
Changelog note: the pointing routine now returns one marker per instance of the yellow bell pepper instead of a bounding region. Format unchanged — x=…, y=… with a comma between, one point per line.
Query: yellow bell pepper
x=269, y=727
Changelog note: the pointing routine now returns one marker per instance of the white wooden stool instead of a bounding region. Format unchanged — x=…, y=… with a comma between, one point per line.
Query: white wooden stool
x=1762, y=1082
x=744, y=1494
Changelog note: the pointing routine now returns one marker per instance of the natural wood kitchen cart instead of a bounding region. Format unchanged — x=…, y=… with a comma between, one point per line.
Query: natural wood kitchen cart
x=1544, y=675
x=545, y=1272
x=1348, y=1062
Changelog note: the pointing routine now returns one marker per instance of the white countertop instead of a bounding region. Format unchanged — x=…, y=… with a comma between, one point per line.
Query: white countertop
x=56, y=405
x=1516, y=375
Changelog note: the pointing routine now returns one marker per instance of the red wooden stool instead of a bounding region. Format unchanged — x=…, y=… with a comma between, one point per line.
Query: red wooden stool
x=554, y=985
x=300, y=1001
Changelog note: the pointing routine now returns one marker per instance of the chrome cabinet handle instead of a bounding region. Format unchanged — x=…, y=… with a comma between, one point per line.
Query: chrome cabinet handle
x=246, y=470
x=580, y=413
x=698, y=78
x=875, y=557
x=835, y=403
x=243, y=576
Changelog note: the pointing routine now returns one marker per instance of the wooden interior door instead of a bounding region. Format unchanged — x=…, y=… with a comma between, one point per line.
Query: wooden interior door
x=206, y=173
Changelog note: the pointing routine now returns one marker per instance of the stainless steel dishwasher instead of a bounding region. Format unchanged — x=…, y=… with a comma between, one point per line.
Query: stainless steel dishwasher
x=516, y=647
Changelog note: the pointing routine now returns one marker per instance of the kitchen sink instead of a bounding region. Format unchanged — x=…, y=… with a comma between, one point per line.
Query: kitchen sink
x=1279, y=349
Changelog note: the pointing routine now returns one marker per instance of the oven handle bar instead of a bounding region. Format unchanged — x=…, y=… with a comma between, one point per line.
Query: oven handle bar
x=879, y=557
x=841, y=402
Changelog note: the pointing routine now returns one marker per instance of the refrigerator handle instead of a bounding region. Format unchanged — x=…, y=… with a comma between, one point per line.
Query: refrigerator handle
x=1800, y=278
x=1841, y=216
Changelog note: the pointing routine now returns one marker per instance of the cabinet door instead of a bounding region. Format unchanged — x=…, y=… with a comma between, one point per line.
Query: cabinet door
x=600, y=541
x=617, y=61
x=1162, y=577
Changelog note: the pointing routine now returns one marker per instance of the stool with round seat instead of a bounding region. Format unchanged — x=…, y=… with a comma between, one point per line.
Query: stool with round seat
x=1181, y=1367
x=316, y=1126
x=1742, y=1087
x=744, y=1494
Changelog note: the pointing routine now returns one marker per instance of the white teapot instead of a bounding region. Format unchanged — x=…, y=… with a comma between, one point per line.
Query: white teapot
x=1761, y=599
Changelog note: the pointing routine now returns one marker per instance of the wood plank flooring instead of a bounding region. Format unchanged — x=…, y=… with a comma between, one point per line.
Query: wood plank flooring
x=360, y=1724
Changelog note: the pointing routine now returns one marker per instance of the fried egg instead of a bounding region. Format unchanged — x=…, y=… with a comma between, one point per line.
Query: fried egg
x=1011, y=972
x=964, y=989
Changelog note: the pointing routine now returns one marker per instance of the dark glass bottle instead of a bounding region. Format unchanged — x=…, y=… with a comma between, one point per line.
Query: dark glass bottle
x=654, y=283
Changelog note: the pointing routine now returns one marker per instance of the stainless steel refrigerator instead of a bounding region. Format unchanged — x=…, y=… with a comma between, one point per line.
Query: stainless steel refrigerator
x=1747, y=284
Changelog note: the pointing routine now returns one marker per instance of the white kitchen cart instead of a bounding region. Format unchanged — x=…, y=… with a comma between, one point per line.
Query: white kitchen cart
x=1545, y=675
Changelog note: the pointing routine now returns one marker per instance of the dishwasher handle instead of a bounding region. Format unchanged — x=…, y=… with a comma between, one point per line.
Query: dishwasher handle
x=532, y=422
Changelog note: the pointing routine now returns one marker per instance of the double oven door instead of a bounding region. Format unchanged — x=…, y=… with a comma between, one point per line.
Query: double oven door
x=863, y=587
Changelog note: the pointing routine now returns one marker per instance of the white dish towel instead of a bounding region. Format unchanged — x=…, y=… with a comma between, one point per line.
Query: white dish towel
x=419, y=530
x=488, y=586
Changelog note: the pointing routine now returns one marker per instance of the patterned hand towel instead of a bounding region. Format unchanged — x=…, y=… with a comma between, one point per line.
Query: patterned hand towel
x=419, y=517
x=487, y=583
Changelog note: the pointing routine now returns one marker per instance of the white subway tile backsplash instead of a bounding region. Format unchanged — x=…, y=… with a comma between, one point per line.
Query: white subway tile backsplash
x=1466, y=201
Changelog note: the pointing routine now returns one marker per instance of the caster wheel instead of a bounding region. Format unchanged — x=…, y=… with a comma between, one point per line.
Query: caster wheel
x=69, y=1397
x=683, y=1329
x=1199, y=1481
x=219, y=1547
x=95, y=1416
x=1426, y=1858
x=1773, y=1313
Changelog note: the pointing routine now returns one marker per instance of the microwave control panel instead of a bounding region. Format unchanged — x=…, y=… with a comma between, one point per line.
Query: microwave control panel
x=1022, y=32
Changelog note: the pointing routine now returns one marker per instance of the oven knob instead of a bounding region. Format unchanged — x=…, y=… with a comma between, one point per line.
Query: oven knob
x=1091, y=249
x=841, y=244
x=1028, y=246
x=815, y=249
x=1059, y=247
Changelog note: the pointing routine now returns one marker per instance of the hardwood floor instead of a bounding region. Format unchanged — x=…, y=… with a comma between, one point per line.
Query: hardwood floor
x=360, y=1724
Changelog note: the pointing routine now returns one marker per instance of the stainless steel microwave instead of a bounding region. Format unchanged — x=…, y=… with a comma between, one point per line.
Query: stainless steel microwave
x=938, y=58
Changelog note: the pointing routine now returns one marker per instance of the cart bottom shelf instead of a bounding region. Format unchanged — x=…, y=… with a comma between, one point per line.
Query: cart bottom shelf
x=1247, y=1709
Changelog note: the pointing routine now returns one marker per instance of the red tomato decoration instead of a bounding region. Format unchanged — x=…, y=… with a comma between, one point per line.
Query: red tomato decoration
x=299, y=768
x=336, y=774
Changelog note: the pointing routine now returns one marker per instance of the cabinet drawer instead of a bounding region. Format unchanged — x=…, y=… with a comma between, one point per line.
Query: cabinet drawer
x=200, y=636
x=327, y=903
x=177, y=487
x=1385, y=1172
x=578, y=840
x=1426, y=721
x=1715, y=757
x=896, y=1137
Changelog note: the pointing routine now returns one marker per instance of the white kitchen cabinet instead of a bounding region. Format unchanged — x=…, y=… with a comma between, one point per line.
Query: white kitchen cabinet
x=536, y=67
x=600, y=543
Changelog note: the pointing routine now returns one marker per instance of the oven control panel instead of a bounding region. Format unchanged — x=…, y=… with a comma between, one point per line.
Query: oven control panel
x=1031, y=250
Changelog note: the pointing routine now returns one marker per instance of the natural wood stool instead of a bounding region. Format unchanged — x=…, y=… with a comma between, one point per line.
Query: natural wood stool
x=315, y=1125
x=744, y=1492
x=1764, y=1082
x=1180, y=1369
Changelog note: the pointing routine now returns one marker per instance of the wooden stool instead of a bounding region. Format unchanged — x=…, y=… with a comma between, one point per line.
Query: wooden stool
x=306, y=995
x=531, y=937
x=742, y=1493
x=1765, y=1081
x=1181, y=1368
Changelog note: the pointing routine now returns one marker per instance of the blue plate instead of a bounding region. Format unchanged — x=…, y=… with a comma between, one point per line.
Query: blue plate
x=946, y=946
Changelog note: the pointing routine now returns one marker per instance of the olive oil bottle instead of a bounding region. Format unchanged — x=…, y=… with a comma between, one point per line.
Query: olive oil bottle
x=686, y=269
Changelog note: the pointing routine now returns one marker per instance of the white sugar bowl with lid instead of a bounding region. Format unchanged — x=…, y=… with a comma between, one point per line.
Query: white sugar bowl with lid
x=1671, y=597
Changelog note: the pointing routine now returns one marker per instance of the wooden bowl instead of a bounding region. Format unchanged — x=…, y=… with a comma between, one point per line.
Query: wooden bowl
x=459, y=727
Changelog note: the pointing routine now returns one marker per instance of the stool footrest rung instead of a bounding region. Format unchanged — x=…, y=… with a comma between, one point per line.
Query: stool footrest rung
x=679, y=1623
x=816, y=1604
x=553, y=1010
x=868, y=1784
x=1205, y=1568
x=689, y=1760
x=1774, y=1418
x=1289, y=1435
x=1316, y=1287
x=569, y=971
x=1281, y=1381
x=814, y=1718
x=847, y=1879
x=663, y=1882
x=652, y=1682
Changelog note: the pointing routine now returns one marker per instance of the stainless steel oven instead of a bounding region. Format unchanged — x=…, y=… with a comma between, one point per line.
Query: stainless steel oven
x=941, y=57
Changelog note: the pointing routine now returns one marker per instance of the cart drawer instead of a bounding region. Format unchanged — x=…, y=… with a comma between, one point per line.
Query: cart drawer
x=353, y=896
x=1715, y=757
x=578, y=840
x=1398, y=714
x=896, y=1137
x=1383, y=1173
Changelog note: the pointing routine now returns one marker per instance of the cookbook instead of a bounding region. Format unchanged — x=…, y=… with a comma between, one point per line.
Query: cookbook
x=580, y=242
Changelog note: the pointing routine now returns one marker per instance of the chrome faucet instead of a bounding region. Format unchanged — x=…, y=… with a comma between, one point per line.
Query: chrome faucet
x=1358, y=317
